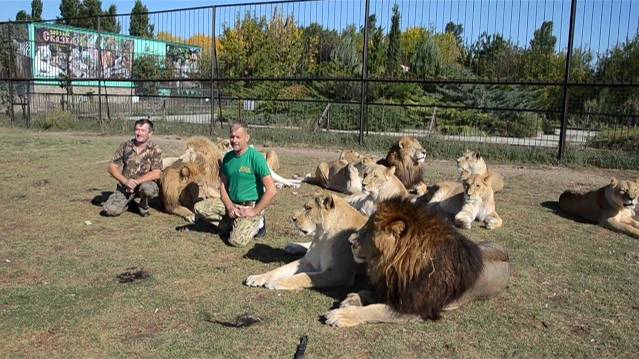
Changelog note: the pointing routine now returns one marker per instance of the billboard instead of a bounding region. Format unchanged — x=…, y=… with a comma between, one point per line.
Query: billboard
x=60, y=51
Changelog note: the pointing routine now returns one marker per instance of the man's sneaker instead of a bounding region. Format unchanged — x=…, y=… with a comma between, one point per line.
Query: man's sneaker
x=144, y=212
x=262, y=231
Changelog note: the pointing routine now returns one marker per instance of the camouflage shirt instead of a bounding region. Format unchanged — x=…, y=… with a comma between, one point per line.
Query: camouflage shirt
x=135, y=165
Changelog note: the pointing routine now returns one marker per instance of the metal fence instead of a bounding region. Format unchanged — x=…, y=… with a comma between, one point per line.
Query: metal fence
x=521, y=72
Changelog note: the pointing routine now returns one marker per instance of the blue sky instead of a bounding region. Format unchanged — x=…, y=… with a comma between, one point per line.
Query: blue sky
x=601, y=24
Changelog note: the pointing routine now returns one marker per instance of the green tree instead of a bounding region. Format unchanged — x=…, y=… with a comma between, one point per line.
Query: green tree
x=426, y=61
x=456, y=30
x=89, y=11
x=70, y=9
x=376, y=47
x=494, y=57
x=22, y=16
x=36, y=10
x=140, y=25
x=111, y=23
x=393, y=50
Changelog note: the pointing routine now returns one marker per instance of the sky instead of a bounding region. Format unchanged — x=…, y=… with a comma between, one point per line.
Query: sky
x=601, y=24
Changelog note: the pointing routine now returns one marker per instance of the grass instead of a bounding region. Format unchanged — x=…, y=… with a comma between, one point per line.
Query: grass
x=572, y=294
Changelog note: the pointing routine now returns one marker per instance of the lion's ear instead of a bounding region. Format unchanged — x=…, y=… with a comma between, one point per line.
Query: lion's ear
x=613, y=181
x=328, y=201
x=391, y=170
x=397, y=228
x=477, y=155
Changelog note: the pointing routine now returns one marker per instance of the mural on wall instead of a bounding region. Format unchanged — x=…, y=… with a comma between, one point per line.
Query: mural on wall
x=183, y=59
x=64, y=52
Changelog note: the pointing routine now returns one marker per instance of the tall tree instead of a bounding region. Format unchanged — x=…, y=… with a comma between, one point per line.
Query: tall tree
x=69, y=9
x=393, y=50
x=90, y=10
x=456, y=29
x=140, y=25
x=111, y=23
x=36, y=10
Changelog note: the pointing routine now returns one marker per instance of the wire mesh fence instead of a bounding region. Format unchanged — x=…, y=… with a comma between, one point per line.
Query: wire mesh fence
x=515, y=72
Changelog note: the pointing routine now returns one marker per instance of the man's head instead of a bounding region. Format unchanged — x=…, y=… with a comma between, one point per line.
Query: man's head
x=143, y=130
x=239, y=137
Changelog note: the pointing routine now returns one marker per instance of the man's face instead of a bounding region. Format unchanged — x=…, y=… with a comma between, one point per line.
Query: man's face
x=142, y=133
x=239, y=139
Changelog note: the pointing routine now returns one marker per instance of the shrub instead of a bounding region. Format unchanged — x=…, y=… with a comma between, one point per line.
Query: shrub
x=56, y=120
x=626, y=140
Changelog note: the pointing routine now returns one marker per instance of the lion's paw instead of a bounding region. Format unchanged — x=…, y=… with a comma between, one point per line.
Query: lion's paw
x=462, y=223
x=343, y=317
x=190, y=218
x=257, y=280
x=280, y=285
x=352, y=300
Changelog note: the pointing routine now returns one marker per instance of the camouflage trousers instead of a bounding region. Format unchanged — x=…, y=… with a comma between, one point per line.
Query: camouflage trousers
x=119, y=201
x=240, y=231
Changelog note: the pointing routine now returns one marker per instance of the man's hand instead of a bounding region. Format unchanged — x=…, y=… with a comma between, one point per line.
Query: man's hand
x=248, y=212
x=130, y=185
x=234, y=212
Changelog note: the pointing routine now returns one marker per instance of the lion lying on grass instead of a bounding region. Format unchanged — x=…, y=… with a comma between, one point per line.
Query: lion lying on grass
x=379, y=183
x=418, y=265
x=343, y=175
x=328, y=261
x=407, y=156
x=612, y=206
x=193, y=177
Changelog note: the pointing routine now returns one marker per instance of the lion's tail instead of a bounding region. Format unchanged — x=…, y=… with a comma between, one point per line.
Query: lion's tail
x=567, y=201
x=492, y=251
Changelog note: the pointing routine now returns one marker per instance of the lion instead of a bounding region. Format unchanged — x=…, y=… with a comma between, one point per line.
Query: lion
x=343, y=175
x=273, y=162
x=378, y=183
x=407, y=155
x=193, y=144
x=197, y=168
x=612, y=206
x=328, y=262
x=476, y=201
x=419, y=266
x=470, y=163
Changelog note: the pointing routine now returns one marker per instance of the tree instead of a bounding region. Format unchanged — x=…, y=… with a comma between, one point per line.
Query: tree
x=36, y=10
x=110, y=23
x=140, y=25
x=89, y=11
x=376, y=47
x=456, y=30
x=22, y=16
x=70, y=9
x=425, y=62
x=494, y=57
x=167, y=36
x=393, y=50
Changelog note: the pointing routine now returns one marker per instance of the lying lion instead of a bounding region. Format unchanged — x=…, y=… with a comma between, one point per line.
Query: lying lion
x=407, y=156
x=328, y=261
x=343, y=175
x=611, y=206
x=379, y=183
x=419, y=265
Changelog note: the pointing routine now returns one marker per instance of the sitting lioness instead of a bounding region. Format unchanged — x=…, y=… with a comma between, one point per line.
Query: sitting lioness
x=611, y=206
x=418, y=265
x=328, y=261
x=378, y=183
x=476, y=201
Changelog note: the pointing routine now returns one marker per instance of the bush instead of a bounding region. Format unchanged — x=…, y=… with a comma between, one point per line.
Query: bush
x=626, y=140
x=57, y=120
x=525, y=124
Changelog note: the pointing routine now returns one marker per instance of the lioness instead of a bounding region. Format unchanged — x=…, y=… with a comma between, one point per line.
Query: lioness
x=470, y=163
x=407, y=155
x=611, y=206
x=378, y=183
x=418, y=265
x=328, y=261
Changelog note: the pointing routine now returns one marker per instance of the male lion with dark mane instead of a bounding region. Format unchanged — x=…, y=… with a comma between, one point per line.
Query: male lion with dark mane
x=407, y=156
x=418, y=265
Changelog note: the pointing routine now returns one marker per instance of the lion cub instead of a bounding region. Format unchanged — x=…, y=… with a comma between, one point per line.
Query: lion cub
x=611, y=206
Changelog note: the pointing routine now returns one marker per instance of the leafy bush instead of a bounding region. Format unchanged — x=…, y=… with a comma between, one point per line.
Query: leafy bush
x=626, y=140
x=524, y=124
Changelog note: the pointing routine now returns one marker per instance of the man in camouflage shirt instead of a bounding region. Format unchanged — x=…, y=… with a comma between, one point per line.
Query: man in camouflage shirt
x=136, y=165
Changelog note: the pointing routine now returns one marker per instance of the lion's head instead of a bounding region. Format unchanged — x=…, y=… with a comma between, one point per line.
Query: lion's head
x=624, y=193
x=407, y=149
x=349, y=155
x=416, y=260
x=318, y=213
x=471, y=161
x=224, y=145
x=476, y=188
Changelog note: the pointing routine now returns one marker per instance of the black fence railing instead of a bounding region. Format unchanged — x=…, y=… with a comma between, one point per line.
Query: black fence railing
x=513, y=72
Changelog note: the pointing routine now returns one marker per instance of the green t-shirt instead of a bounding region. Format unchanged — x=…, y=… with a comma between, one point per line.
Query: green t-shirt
x=244, y=174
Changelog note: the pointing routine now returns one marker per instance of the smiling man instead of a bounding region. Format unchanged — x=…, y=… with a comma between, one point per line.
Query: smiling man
x=136, y=165
x=247, y=188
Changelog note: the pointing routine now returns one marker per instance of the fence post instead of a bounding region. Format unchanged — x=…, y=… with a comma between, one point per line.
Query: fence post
x=564, y=112
x=12, y=71
x=99, y=74
x=211, y=98
x=214, y=65
x=363, y=108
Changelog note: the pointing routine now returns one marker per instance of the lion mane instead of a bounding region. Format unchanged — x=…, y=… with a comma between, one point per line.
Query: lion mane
x=193, y=177
x=407, y=156
x=427, y=266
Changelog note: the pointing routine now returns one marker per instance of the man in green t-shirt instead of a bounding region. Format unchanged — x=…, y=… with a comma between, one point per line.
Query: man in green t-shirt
x=246, y=190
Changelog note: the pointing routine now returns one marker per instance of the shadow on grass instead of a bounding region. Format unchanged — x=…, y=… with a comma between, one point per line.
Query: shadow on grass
x=554, y=206
x=267, y=254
